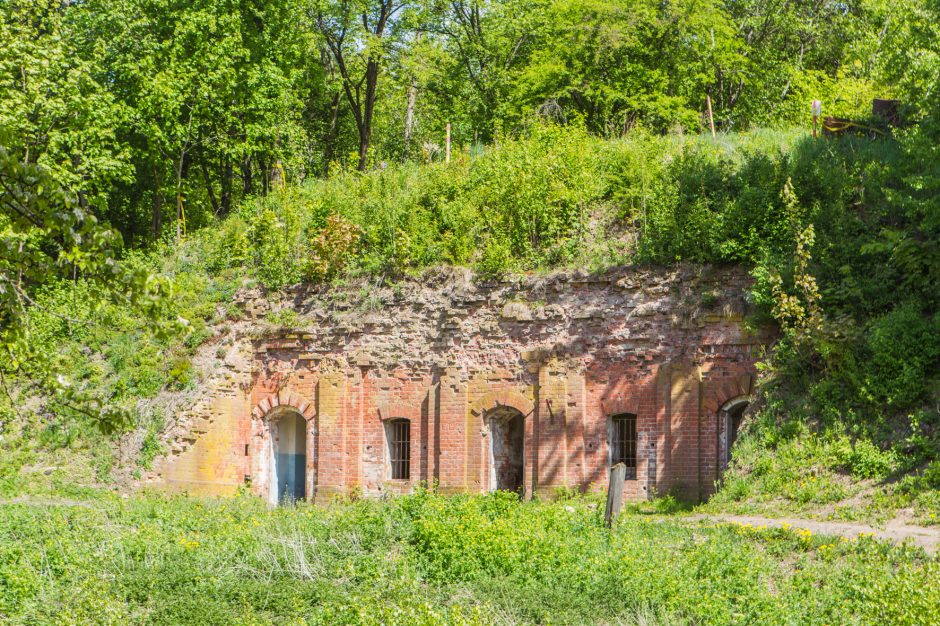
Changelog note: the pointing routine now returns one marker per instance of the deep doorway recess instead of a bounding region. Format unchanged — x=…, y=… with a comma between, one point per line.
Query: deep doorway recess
x=289, y=435
x=729, y=424
x=507, y=449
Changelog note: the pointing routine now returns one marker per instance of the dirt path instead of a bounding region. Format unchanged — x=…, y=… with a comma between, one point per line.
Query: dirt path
x=40, y=501
x=894, y=531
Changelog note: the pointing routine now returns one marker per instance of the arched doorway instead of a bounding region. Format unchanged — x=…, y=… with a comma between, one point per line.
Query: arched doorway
x=507, y=449
x=729, y=423
x=289, y=456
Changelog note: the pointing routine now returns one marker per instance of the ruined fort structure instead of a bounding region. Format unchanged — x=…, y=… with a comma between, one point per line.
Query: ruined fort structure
x=526, y=386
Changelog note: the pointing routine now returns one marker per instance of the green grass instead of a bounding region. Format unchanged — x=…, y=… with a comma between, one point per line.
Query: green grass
x=792, y=469
x=429, y=559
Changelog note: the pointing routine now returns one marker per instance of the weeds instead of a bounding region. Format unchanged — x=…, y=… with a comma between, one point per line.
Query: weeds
x=428, y=559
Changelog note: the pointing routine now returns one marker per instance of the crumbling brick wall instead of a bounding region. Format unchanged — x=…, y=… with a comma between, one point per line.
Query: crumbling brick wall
x=567, y=351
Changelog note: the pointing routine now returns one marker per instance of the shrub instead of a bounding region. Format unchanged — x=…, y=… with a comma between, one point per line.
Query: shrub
x=867, y=461
x=904, y=349
x=330, y=249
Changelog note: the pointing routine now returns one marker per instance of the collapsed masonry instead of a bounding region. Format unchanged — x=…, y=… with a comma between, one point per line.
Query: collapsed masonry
x=523, y=386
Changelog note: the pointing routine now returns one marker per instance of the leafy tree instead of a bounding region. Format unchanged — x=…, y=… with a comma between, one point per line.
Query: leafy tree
x=45, y=234
x=912, y=57
x=359, y=37
x=213, y=90
x=53, y=110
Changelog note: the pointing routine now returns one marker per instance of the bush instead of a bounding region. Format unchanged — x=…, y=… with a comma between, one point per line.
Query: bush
x=904, y=350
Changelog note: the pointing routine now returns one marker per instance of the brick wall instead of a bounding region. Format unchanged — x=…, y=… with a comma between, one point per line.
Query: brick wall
x=567, y=351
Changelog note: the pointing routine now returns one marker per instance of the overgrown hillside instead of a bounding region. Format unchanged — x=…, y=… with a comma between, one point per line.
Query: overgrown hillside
x=840, y=236
x=175, y=126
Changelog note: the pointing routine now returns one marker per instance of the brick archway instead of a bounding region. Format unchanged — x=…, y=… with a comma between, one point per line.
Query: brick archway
x=267, y=416
x=729, y=420
x=721, y=394
x=287, y=399
x=392, y=410
x=507, y=398
x=507, y=419
x=620, y=404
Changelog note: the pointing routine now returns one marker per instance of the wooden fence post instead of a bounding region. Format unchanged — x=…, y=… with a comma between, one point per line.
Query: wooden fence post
x=618, y=474
x=817, y=111
x=447, y=145
x=711, y=120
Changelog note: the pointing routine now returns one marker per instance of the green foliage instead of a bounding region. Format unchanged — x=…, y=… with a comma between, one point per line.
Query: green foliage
x=427, y=559
x=904, y=348
x=166, y=114
x=785, y=463
x=330, y=249
x=284, y=318
x=45, y=234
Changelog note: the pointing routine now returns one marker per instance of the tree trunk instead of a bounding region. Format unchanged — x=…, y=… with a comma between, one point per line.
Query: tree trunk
x=263, y=167
x=365, y=127
x=226, y=200
x=208, y=180
x=246, y=177
x=410, y=107
x=365, y=137
x=157, y=220
x=277, y=175
x=410, y=112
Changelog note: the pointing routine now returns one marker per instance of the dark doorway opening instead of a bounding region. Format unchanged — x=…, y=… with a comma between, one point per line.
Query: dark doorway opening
x=290, y=459
x=507, y=428
x=731, y=416
x=734, y=422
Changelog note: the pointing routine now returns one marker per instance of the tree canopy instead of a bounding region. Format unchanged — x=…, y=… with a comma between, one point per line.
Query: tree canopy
x=160, y=114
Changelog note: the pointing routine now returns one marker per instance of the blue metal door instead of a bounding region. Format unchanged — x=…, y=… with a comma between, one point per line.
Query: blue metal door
x=291, y=475
x=291, y=458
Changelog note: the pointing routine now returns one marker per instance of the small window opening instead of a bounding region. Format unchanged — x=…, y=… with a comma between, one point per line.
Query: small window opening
x=399, y=445
x=623, y=442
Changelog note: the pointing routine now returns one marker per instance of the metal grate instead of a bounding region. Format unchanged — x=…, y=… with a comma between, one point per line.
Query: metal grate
x=400, y=448
x=623, y=442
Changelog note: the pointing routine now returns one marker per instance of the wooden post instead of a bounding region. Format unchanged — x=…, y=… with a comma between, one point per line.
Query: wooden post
x=447, y=146
x=618, y=474
x=817, y=111
x=711, y=120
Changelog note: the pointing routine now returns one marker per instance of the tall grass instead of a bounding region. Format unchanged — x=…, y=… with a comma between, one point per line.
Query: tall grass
x=427, y=559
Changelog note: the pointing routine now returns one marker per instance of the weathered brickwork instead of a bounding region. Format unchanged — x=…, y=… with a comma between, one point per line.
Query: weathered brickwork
x=566, y=351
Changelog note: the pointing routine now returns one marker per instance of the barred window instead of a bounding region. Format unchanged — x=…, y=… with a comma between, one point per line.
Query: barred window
x=399, y=446
x=623, y=442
